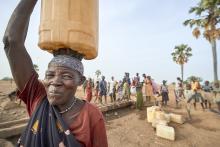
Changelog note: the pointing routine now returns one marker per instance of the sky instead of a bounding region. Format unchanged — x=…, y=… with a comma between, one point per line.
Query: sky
x=134, y=36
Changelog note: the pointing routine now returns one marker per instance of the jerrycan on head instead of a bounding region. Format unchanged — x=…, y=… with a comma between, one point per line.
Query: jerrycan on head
x=69, y=24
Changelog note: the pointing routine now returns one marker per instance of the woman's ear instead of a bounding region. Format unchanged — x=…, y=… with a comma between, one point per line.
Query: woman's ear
x=82, y=79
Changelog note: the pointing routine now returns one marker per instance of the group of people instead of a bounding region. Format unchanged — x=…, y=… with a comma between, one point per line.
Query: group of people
x=194, y=93
x=145, y=90
x=102, y=89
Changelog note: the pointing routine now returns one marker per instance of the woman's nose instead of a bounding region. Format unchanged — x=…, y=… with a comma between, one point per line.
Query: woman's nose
x=56, y=81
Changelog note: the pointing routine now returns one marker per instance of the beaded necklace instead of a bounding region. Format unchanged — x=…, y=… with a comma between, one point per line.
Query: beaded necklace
x=70, y=107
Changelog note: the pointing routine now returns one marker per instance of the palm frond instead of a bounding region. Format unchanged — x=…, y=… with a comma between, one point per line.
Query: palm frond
x=192, y=9
x=217, y=34
x=196, y=32
x=199, y=11
x=186, y=22
x=208, y=15
x=192, y=23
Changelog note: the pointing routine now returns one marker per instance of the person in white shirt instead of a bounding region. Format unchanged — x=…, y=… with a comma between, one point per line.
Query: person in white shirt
x=112, y=89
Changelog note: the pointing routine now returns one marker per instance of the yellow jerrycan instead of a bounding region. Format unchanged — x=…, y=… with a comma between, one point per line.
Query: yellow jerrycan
x=69, y=24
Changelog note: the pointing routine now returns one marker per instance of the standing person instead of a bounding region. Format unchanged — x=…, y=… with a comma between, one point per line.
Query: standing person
x=179, y=91
x=134, y=84
x=57, y=117
x=144, y=88
x=148, y=88
x=126, y=90
x=127, y=78
x=197, y=97
x=137, y=79
x=89, y=90
x=126, y=86
x=139, y=96
x=112, y=89
x=207, y=94
x=120, y=90
x=96, y=91
x=164, y=92
x=103, y=90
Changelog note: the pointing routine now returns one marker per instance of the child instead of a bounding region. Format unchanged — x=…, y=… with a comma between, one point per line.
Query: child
x=164, y=92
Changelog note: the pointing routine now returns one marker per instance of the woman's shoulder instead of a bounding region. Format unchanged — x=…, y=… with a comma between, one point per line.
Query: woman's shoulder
x=91, y=109
x=92, y=113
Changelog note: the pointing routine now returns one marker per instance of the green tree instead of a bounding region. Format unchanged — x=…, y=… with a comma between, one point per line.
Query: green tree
x=207, y=19
x=189, y=79
x=181, y=55
x=97, y=73
x=36, y=68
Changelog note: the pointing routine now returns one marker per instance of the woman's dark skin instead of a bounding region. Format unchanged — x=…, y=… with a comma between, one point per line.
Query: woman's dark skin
x=14, y=38
x=60, y=82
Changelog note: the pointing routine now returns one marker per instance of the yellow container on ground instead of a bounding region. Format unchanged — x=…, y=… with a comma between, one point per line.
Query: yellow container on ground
x=165, y=132
x=177, y=118
x=151, y=113
x=69, y=24
x=167, y=117
x=160, y=115
x=156, y=122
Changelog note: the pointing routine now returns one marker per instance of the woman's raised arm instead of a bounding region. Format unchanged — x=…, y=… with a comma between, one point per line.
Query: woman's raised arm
x=14, y=39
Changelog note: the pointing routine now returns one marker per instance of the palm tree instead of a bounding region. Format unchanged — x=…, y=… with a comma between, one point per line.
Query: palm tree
x=98, y=73
x=189, y=79
x=207, y=18
x=181, y=55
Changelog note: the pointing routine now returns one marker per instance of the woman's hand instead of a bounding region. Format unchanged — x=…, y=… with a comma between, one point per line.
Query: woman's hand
x=61, y=144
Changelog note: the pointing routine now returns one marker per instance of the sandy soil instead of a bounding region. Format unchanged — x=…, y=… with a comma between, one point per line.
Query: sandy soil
x=129, y=127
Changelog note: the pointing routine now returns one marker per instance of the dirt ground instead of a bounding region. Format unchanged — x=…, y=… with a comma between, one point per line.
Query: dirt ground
x=129, y=128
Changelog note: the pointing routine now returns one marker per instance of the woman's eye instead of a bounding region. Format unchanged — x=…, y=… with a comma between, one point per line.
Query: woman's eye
x=49, y=76
x=67, y=77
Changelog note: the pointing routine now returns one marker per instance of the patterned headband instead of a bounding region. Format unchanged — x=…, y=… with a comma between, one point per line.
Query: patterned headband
x=68, y=61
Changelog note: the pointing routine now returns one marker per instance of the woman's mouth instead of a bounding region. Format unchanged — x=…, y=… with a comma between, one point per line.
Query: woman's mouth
x=54, y=93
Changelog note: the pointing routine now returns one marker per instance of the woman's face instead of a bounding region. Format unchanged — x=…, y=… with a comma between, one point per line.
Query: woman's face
x=61, y=84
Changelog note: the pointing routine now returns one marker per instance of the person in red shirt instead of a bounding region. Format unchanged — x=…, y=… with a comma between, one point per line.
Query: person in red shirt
x=57, y=117
x=89, y=90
